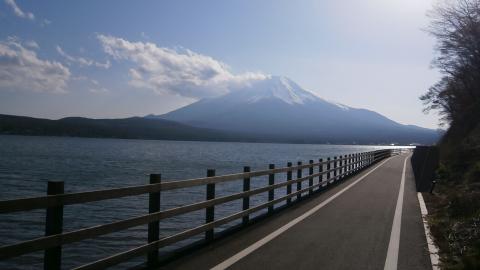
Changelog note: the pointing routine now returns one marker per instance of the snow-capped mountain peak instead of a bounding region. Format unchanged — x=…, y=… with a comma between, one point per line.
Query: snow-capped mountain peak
x=277, y=107
x=341, y=106
x=277, y=87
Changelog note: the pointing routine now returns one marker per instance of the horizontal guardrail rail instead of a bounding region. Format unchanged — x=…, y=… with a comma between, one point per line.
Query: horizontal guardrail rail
x=336, y=170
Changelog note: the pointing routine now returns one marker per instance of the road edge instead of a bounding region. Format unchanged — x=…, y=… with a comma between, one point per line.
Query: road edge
x=432, y=248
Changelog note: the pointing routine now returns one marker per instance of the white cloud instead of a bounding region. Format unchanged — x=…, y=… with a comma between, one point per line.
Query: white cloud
x=32, y=44
x=81, y=60
x=181, y=72
x=20, y=13
x=98, y=90
x=92, y=85
x=21, y=69
x=45, y=22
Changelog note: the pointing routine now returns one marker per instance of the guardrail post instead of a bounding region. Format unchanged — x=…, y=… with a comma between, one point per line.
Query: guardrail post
x=210, y=211
x=352, y=166
x=289, y=186
x=340, y=170
x=353, y=163
x=334, y=168
x=246, y=200
x=345, y=164
x=320, y=170
x=432, y=187
x=299, y=184
x=153, y=227
x=349, y=167
x=310, y=180
x=356, y=162
x=54, y=225
x=271, y=181
x=361, y=161
x=328, y=171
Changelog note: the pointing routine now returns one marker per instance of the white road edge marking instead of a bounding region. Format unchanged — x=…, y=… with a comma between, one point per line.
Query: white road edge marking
x=235, y=258
x=432, y=248
x=391, y=262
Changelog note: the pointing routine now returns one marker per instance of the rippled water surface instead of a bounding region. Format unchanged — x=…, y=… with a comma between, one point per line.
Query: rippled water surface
x=27, y=163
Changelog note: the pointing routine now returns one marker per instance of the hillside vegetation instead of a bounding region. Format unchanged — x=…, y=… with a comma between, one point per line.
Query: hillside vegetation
x=455, y=209
x=126, y=128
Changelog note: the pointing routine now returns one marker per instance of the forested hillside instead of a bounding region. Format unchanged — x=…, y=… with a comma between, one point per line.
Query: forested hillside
x=456, y=206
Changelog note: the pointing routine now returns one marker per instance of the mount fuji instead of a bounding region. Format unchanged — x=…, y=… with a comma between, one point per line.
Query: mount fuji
x=278, y=109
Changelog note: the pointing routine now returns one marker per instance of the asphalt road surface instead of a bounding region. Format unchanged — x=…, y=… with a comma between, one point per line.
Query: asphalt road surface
x=362, y=223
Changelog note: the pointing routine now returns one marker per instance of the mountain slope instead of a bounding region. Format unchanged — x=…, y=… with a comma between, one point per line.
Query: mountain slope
x=278, y=108
x=127, y=128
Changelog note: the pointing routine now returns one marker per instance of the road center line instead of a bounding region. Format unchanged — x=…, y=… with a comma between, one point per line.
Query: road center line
x=391, y=261
x=235, y=258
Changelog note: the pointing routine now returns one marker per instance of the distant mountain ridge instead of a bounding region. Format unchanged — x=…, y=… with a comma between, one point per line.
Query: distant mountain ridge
x=280, y=109
x=271, y=110
x=126, y=128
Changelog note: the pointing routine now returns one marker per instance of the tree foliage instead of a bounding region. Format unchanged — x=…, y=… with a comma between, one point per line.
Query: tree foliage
x=455, y=223
x=456, y=26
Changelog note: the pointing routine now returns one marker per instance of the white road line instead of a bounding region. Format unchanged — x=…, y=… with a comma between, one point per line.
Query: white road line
x=235, y=258
x=391, y=261
x=432, y=248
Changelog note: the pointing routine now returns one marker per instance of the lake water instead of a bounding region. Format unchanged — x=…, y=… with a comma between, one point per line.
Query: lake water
x=27, y=163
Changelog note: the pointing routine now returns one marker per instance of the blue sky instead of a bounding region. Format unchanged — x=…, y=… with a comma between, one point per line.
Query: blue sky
x=125, y=58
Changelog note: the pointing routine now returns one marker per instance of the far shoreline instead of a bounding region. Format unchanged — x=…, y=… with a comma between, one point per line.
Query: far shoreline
x=209, y=141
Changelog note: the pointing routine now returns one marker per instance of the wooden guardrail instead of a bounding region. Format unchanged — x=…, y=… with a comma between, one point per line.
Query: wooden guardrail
x=336, y=169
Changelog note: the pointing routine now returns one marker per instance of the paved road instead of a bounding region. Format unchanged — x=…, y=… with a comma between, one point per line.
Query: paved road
x=348, y=227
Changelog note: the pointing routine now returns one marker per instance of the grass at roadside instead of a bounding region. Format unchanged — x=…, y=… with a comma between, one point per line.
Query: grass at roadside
x=454, y=220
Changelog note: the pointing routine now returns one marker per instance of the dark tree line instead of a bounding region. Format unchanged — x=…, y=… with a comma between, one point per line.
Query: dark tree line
x=456, y=219
x=456, y=25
